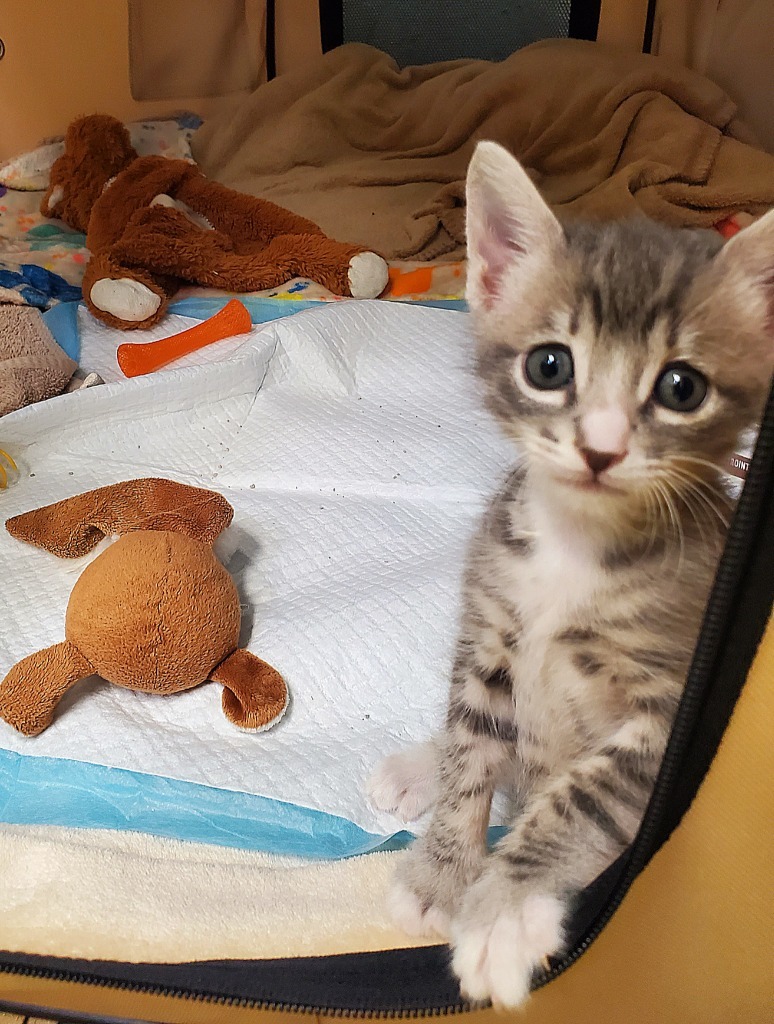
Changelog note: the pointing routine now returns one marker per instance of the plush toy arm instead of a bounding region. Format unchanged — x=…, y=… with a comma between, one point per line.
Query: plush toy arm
x=254, y=694
x=72, y=527
x=242, y=217
x=32, y=689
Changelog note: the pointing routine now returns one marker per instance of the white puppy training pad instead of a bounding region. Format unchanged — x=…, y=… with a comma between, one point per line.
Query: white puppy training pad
x=354, y=447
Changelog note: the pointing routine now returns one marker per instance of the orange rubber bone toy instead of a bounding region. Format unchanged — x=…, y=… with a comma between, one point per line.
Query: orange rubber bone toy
x=138, y=358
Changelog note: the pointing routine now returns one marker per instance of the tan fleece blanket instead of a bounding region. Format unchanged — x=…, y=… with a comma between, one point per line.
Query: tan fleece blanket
x=377, y=155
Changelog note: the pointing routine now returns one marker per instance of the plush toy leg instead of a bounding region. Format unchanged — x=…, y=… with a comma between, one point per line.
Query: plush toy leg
x=165, y=241
x=32, y=689
x=244, y=218
x=254, y=694
x=124, y=296
x=343, y=269
x=168, y=244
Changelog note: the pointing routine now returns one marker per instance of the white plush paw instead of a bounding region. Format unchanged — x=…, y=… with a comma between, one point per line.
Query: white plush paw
x=162, y=199
x=411, y=917
x=125, y=298
x=367, y=275
x=495, y=958
x=404, y=783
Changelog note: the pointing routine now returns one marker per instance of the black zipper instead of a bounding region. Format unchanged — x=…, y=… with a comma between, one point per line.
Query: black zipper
x=734, y=622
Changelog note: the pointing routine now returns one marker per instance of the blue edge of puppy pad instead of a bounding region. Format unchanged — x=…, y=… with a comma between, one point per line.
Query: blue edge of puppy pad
x=62, y=320
x=56, y=791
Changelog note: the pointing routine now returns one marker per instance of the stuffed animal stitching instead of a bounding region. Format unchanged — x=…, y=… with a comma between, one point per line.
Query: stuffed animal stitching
x=156, y=611
x=153, y=224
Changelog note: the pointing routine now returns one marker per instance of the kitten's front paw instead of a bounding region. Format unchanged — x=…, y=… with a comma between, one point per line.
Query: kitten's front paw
x=427, y=891
x=412, y=915
x=501, y=936
x=404, y=783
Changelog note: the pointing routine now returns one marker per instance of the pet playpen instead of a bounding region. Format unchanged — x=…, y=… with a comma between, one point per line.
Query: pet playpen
x=678, y=928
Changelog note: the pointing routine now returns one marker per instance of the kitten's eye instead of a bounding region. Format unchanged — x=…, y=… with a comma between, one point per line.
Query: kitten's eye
x=549, y=367
x=680, y=388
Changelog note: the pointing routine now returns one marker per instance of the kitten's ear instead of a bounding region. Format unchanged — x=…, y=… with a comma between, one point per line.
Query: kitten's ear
x=740, y=286
x=509, y=227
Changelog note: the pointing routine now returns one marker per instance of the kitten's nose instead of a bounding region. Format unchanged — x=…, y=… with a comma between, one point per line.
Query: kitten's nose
x=598, y=462
x=603, y=437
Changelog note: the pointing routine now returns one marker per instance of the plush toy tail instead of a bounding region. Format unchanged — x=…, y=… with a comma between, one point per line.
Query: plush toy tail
x=72, y=527
x=254, y=694
x=32, y=689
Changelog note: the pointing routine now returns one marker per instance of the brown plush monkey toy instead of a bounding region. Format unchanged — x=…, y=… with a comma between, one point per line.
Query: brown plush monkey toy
x=156, y=611
x=153, y=224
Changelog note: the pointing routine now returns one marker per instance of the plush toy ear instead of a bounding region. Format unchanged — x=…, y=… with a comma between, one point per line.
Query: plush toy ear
x=72, y=527
x=99, y=142
x=32, y=689
x=254, y=694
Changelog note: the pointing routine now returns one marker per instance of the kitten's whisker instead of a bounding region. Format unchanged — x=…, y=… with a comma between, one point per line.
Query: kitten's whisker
x=712, y=509
x=714, y=487
x=675, y=519
x=690, y=504
x=682, y=480
x=699, y=488
x=653, y=516
x=676, y=464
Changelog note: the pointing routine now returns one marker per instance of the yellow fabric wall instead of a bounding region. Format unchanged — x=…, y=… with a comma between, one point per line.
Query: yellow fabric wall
x=64, y=59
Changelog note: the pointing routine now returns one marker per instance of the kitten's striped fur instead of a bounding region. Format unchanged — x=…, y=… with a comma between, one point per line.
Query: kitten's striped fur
x=582, y=602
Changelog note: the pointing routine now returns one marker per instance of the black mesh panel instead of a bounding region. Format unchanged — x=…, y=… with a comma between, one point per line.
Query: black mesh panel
x=424, y=31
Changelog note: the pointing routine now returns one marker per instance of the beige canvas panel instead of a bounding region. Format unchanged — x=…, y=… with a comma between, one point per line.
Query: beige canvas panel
x=195, y=47
x=622, y=23
x=731, y=42
x=52, y=73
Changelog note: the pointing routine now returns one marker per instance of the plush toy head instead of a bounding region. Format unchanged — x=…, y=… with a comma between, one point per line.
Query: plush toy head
x=156, y=611
x=96, y=149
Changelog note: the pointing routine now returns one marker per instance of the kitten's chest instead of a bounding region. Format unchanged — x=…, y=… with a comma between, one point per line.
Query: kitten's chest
x=561, y=581
x=558, y=588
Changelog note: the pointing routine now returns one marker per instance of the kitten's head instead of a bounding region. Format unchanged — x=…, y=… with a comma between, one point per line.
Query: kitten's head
x=624, y=358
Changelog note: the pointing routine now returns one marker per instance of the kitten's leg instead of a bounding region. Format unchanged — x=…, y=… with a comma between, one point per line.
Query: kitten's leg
x=570, y=831
x=480, y=740
x=405, y=783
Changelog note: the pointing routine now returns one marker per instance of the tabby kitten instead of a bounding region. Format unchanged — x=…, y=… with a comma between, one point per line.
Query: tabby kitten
x=624, y=360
